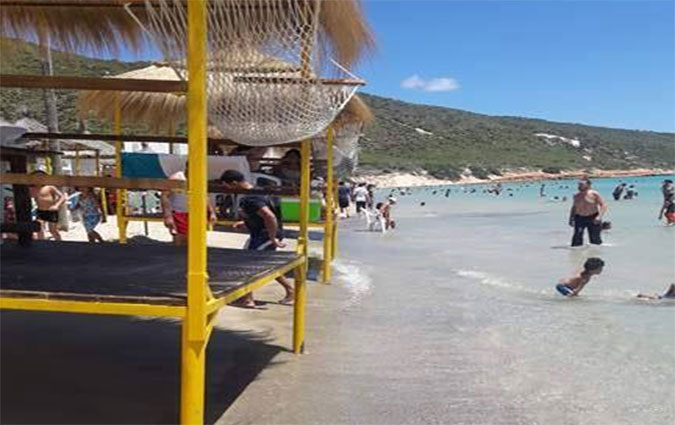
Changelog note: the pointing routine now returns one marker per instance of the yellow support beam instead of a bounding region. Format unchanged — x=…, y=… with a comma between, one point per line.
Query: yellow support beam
x=77, y=162
x=104, y=199
x=120, y=194
x=91, y=307
x=328, y=223
x=195, y=325
x=304, y=197
x=301, y=272
x=218, y=303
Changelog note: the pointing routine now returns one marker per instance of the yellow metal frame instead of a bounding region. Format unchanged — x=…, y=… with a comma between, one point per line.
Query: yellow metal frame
x=91, y=307
x=328, y=224
x=120, y=194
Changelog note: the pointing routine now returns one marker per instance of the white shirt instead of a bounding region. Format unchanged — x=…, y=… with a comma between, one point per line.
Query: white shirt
x=360, y=194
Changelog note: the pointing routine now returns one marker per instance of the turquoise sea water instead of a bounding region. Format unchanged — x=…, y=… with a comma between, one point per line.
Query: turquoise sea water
x=481, y=269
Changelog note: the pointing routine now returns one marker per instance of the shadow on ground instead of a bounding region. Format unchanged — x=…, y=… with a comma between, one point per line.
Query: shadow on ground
x=65, y=368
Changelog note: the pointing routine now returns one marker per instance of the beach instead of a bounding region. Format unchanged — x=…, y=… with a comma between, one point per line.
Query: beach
x=451, y=318
x=423, y=178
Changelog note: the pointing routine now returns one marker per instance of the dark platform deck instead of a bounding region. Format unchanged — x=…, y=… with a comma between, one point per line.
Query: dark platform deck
x=153, y=274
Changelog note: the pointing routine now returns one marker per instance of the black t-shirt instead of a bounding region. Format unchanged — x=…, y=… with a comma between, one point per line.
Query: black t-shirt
x=249, y=208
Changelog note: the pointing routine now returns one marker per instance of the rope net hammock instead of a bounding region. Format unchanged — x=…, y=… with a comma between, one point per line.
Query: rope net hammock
x=267, y=81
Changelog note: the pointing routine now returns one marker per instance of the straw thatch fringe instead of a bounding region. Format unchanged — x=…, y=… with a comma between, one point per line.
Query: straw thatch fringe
x=78, y=26
x=344, y=32
x=356, y=111
x=157, y=110
x=105, y=27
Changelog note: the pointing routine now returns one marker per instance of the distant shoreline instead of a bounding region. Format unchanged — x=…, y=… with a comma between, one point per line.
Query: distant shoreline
x=417, y=179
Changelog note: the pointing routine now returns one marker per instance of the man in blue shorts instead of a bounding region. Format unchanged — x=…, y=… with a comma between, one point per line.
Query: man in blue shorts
x=261, y=217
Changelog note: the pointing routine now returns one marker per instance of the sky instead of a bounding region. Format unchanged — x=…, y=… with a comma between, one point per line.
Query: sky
x=606, y=63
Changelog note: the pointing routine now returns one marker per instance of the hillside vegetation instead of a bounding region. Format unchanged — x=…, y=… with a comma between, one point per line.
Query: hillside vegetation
x=18, y=57
x=404, y=136
x=445, y=141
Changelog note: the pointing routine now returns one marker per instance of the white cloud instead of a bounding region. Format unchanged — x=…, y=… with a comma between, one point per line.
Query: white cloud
x=442, y=84
x=415, y=82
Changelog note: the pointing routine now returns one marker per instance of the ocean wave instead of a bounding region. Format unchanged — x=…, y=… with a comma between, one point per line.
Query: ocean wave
x=613, y=296
x=354, y=278
x=495, y=281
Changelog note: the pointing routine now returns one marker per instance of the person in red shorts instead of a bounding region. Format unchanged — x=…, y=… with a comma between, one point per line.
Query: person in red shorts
x=175, y=208
x=668, y=207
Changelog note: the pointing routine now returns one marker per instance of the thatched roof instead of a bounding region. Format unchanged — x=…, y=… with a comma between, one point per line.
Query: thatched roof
x=163, y=110
x=75, y=25
x=105, y=26
x=356, y=111
x=158, y=110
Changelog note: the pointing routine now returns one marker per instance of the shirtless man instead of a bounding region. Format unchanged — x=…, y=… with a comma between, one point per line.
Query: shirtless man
x=48, y=199
x=587, y=211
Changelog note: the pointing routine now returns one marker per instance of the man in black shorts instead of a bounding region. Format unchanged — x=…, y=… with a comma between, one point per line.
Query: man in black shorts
x=262, y=219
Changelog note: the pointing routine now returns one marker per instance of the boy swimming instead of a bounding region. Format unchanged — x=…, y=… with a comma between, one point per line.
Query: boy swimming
x=572, y=286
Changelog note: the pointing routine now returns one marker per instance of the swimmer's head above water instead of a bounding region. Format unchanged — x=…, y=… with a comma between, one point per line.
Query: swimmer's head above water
x=593, y=266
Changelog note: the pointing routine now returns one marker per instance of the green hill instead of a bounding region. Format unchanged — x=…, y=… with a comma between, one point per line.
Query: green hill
x=404, y=136
x=445, y=141
x=18, y=57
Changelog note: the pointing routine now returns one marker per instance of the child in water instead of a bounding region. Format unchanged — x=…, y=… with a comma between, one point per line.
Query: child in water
x=669, y=294
x=572, y=286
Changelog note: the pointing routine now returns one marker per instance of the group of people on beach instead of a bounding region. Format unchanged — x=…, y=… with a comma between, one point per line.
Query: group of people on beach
x=378, y=215
x=85, y=206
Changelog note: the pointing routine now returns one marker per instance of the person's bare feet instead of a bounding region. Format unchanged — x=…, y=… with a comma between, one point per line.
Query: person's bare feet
x=246, y=301
x=287, y=300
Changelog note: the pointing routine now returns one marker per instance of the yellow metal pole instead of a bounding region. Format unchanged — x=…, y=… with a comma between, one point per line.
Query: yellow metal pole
x=301, y=272
x=334, y=249
x=328, y=223
x=77, y=161
x=120, y=193
x=195, y=324
x=171, y=133
x=104, y=200
x=304, y=197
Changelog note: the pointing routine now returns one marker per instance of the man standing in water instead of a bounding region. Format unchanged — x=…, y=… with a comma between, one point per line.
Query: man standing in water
x=587, y=211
